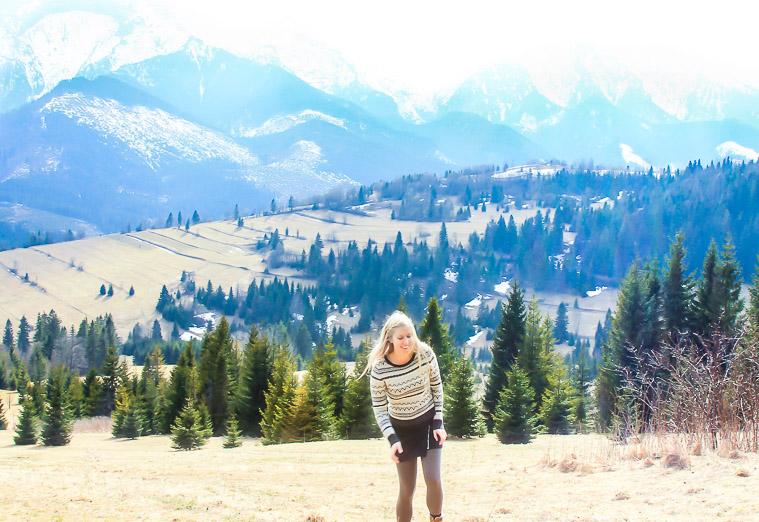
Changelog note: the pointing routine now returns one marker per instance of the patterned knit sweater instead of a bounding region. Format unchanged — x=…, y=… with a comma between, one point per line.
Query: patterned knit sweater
x=402, y=395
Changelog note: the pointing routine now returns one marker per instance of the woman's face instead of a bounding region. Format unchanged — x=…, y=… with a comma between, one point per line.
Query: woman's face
x=402, y=339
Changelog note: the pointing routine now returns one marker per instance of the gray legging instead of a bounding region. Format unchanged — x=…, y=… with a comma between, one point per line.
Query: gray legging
x=407, y=482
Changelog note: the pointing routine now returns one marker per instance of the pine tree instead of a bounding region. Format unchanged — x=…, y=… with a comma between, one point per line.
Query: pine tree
x=110, y=290
x=164, y=299
x=92, y=391
x=187, y=431
x=301, y=420
x=132, y=425
x=434, y=332
x=677, y=292
x=233, y=438
x=728, y=291
x=535, y=351
x=156, y=334
x=706, y=303
x=102, y=289
x=580, y=380
x=206, y=426
x=182, y=387
x=514, y=420
x=508, y=337
x=256, y=372
x=23, y=335
x=113, y=377
x=8, y=335
x=560, y=332
x=753, y=308
x=312, y=416
x=556, y=406
x=149, y=409
x=333, y=377
x=462, y=412
x=76, y=396
x=57, y=418
x=26, y=429
x=119, y=411
x=357, y=419
x=279, y=397
x=213, y=376
x=628, y=326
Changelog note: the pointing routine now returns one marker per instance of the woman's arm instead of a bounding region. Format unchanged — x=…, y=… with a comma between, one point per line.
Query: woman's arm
x=379, y=405
x=436, y=384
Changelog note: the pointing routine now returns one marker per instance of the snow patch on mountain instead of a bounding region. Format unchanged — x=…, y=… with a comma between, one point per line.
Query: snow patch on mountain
x=152, y=133
x=733, y=149
x=629, y=155
x=301, y=173
x=55, y=48
x=60, y=46
x=279, y=124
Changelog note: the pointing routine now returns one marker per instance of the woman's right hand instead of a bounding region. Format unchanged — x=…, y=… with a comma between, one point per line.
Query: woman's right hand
x=395, y=450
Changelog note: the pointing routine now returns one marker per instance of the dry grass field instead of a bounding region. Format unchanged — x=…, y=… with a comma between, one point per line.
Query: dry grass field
x=572, y=478
x=67, y=276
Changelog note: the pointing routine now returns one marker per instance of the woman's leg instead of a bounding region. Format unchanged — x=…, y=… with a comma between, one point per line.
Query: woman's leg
x=407, y=484
x=431, y=467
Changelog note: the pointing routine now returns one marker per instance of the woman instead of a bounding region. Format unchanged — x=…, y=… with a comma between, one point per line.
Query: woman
x=407, y=397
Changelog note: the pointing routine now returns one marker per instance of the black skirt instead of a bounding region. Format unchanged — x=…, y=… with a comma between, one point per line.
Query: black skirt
x=416, y=436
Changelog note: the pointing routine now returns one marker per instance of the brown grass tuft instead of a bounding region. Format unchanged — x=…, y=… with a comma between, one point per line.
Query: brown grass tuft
x=648, y=463
x=569, y=463
x=697, y=449
x=735, y=455
x=621, y=495
x=674, y=460
x=315, y=518
x=742, y=472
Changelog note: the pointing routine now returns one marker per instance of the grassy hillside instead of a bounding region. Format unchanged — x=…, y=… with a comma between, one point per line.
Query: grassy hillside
x=67, y=276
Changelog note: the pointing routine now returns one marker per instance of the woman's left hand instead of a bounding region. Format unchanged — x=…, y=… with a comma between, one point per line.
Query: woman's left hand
x=440, y=435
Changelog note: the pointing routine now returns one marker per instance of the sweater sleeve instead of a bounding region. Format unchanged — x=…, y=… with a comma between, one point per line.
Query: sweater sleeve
x=436, y=383
x=379, y=405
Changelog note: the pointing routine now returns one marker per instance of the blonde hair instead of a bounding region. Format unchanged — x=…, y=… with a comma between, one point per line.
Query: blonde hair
x=383, y=346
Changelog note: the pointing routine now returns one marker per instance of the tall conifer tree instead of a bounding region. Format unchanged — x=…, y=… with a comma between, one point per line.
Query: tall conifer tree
x=279, y=397
x=182, y=387
x=535, y=351
x=256, y=372
x=514, y=418
x=626, y=333
x=357, y=420
x=57, y=417
x=677, y=292
x=508, y=338
x=26, y=429
x=213, y=375
x=435, y=332
x=462, y=410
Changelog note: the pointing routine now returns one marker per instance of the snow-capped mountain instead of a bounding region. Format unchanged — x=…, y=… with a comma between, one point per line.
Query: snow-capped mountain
x=129, y=158
x=60, y=46
x=105, y=105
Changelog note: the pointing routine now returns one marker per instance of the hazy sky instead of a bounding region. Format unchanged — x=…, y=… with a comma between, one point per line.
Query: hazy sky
x=429, y=46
